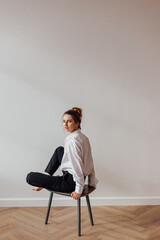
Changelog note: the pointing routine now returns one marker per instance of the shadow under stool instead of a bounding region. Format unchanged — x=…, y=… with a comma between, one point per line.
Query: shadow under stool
x=87, y=190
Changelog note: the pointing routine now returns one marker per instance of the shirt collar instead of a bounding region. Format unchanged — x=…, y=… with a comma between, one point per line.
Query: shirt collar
x=73, y=134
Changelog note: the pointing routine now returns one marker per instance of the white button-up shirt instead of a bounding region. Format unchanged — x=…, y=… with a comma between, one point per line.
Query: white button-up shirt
x=77, y=160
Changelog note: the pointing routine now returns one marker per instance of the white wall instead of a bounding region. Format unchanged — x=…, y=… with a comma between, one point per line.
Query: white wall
x=101, y=55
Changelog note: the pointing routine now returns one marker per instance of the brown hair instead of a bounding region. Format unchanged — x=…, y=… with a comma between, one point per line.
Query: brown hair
x=76, y=113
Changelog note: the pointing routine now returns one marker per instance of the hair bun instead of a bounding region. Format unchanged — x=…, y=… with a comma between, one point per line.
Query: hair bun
x=78, y=110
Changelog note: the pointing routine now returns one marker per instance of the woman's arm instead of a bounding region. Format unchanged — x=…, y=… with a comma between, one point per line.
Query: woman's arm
x=75, y=156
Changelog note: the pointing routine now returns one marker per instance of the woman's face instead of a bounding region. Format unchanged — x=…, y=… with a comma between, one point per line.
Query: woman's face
x=69, y=123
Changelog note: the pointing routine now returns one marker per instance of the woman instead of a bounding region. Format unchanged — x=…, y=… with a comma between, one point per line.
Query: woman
x=75, y=161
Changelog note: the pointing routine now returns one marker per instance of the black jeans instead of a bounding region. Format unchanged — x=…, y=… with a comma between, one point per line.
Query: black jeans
x=62, y=183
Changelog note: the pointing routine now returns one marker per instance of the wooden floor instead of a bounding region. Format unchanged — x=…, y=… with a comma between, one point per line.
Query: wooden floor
x=111, y=223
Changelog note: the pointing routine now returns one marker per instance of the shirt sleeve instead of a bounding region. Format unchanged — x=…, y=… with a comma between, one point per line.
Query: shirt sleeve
x=75, y=156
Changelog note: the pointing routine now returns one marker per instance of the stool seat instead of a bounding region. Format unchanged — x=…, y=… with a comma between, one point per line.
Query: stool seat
x=86, y=191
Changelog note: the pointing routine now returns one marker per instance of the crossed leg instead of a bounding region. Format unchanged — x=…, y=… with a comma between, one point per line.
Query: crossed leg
x=46, y=180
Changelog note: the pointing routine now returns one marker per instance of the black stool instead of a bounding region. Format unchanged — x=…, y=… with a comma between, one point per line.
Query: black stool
x=87, y=190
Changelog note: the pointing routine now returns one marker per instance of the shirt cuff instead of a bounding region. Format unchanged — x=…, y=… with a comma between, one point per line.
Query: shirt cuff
x=79, y=189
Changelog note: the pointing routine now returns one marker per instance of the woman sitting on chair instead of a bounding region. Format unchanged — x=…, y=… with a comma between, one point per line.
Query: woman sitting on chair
x=75, y=161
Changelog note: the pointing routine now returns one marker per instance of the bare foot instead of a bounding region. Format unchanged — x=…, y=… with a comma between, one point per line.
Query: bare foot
x=37, y=189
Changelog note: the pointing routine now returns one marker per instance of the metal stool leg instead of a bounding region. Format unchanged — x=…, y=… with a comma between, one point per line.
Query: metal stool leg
x=49, y=206
x=79, y=216
x=89, y=210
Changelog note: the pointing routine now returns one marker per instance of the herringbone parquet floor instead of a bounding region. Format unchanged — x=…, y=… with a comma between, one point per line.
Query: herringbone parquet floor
x=111, y=223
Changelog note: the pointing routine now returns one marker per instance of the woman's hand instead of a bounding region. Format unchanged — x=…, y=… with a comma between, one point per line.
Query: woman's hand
x=75, y=195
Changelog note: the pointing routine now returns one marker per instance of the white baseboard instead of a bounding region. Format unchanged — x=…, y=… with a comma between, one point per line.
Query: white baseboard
x=66, y=201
